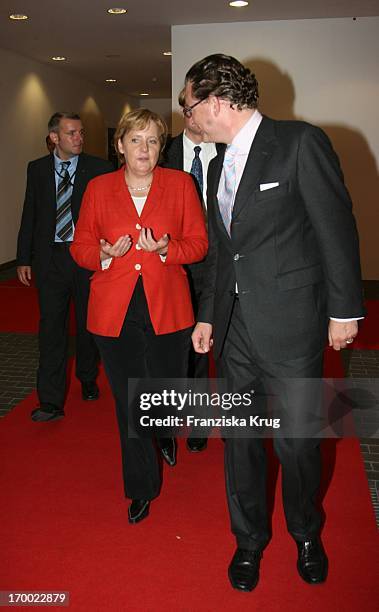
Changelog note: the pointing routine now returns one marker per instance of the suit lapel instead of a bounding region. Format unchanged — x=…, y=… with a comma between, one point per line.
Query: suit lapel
x=51, y=187
x=50, y=190
x=80, y=183
x=174, y=158
x=260, y=152
x=214, y=174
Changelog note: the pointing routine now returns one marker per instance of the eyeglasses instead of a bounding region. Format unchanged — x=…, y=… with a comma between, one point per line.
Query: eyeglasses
x=187, y=110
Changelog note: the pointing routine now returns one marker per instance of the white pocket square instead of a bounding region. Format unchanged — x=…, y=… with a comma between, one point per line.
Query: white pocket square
x=265, y=186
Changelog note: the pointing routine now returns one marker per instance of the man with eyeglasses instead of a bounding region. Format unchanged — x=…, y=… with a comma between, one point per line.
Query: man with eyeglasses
x=282, y=277
x=188, y=152
x=54, y=190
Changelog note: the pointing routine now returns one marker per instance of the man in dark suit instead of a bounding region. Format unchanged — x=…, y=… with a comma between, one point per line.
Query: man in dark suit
x=282, y=275
x=188, y=152
x=55, y=186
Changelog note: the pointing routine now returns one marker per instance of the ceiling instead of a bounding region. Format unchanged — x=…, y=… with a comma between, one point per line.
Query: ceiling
x=129, y=47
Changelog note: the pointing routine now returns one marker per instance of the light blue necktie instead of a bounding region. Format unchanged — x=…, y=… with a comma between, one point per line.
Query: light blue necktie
x=64, y=229
x=227, y=188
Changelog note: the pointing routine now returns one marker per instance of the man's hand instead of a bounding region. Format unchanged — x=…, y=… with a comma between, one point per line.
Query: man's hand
x=147, y=242
x=24, y=274
x=202, y=337
x=118, y=249
x=341, y=334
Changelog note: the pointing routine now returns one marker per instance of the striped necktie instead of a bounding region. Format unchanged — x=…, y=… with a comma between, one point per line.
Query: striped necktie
x=197, y=168
x=226, y=192
x=64, y=229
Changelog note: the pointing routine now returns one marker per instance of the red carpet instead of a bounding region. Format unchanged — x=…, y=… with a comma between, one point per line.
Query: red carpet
x=64, y=521
x=368, y=337
x=19, y=310
x=64, y=525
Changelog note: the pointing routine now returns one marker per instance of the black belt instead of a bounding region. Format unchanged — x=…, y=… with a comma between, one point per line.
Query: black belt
x=62, y=245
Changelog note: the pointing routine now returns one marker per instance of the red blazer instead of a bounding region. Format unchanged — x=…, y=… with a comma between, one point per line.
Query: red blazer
x=108, y=212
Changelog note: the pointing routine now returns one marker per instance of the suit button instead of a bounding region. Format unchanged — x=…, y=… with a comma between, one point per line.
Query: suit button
x=138, y=247
x=138, y=266
x=138, y=226
x=236, y=257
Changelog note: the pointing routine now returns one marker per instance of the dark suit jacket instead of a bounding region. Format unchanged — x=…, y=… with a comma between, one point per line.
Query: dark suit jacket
x=37, y=230
x=174, y=158
x=293, y=249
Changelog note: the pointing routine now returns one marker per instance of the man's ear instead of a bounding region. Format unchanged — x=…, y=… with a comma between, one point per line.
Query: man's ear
x=54, y=137
x=215, y=104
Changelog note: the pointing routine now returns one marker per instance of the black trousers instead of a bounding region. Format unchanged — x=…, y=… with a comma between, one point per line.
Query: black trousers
x=140, y=353
x=198, y=364
x=65, y=280
x=245, y=458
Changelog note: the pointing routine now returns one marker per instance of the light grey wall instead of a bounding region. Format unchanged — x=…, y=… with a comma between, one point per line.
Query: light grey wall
x=320, y=70
x=162, y=106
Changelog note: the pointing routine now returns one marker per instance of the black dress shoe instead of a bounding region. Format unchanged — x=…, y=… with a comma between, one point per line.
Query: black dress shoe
x=138, y=510
x=196, y=445
x=244, y=569
x=47, y=412
x=90, y=390
x=168, y=450
x=312, y=562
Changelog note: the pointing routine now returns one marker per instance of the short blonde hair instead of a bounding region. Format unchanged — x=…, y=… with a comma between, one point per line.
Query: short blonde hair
x=139, y=119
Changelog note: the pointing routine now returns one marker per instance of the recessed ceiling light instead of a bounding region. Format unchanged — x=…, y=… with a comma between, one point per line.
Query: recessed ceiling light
x=169, y=53
x=59, y=58
x=238, y=3
x=111, y=80
x=144, y=94
x=18, y=17
x=117, y=11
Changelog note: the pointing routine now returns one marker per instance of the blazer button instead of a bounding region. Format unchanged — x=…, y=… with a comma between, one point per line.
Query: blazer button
x=138, y=266
x=236, y=257
x=138, y=247
x=138, y=226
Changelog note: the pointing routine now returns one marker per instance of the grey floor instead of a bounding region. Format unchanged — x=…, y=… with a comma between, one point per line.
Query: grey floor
x=19, y=359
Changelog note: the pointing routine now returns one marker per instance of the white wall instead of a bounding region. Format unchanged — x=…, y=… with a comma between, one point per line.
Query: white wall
x=162, y=106
x=30, y=92
x=320, y=70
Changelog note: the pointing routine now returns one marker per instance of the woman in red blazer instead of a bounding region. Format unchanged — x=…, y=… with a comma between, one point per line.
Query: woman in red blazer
x=137, y=227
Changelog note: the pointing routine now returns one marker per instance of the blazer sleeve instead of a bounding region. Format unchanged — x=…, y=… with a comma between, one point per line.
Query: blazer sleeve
x=25, y=234
x=85, y=248
x=207, y=297
x=329, y=208
x=192, y=246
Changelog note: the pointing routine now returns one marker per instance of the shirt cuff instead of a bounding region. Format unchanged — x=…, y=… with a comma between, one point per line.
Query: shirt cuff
x=106, y=263
x=346, y=320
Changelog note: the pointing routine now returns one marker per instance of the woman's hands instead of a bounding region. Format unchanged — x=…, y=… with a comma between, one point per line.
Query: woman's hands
x=149, y=244
x=118, y=249
x=145, y=241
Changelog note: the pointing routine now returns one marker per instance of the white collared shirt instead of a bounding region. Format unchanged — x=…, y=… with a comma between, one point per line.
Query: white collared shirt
x=243, y=141
x=207, y=153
